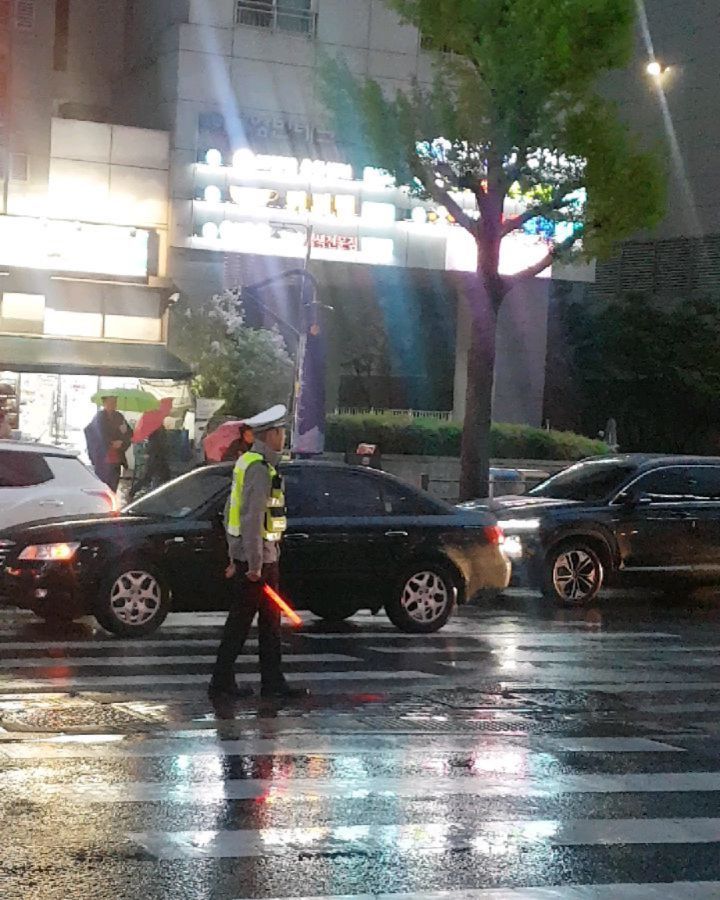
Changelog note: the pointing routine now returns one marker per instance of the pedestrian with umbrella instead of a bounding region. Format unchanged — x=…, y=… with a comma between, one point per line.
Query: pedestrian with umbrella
x=108, y=439
x=228, y=441
x=151, y=431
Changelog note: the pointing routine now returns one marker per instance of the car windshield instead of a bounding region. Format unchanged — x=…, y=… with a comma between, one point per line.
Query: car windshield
x=588, y=482
x=182, y=497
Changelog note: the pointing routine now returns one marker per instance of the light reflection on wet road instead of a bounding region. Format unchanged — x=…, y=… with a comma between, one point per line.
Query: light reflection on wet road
x=520, y=754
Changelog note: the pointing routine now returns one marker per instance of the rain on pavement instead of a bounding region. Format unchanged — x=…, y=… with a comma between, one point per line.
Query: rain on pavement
x=522, y=753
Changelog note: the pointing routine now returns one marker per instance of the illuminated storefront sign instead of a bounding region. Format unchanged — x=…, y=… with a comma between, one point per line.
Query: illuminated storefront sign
x=73, y=247
x=267, y=204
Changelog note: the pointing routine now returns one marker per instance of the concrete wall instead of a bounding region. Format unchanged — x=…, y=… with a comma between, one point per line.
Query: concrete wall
x=442, y=473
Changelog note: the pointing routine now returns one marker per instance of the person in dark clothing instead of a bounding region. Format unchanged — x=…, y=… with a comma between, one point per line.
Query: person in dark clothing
x=157, y=464
x=108, y=437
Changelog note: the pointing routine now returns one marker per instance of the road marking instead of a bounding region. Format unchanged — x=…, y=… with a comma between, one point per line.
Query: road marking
x=677, y=890
x=496, y=750
x=159, y=678
x=576, y=676
x=487, y=785
x=551, y=656
x=562, y=639
x=139, y=662
x=645, y=687
x=489, y=838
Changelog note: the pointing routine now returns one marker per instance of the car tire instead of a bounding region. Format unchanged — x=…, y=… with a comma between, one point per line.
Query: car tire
x=574, y=573
x=134, y=599
x=424, y=600
x=333, y=615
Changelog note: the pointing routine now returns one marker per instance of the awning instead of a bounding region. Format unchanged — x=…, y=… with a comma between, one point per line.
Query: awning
x=71, y=357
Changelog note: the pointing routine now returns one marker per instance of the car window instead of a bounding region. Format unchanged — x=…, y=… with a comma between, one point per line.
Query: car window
x=319, y=493
x=19, y=470
x=679, y=484
x=399, y=500
x=182, y=497
x=589, y=482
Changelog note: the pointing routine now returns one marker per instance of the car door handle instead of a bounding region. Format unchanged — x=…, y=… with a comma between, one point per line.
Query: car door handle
x=396, y=534
x=55, y=503
x=297, y=536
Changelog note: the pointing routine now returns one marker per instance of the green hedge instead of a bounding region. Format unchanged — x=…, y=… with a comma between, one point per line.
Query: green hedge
x=431, y=437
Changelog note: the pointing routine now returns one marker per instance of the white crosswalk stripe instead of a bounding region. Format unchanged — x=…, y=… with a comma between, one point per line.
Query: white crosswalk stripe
x=431, y=805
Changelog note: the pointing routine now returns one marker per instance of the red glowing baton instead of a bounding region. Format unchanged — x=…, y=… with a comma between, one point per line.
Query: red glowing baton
x=285, y=608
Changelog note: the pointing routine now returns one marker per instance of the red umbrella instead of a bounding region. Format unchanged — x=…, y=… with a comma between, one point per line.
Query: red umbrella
x=150, y=421
x=217, y=444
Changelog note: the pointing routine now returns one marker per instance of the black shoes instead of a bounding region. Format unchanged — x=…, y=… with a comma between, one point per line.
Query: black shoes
x=283, y=691
x=229, y=691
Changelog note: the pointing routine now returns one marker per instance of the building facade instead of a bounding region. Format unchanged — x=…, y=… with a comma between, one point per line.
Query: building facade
x=84, y=290
x=258, y=184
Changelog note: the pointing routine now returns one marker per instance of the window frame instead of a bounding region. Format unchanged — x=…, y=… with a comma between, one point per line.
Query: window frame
x=628, y=488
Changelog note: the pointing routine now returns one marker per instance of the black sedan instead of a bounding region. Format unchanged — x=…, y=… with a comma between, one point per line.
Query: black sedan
x=642, y=520
x=357, y=539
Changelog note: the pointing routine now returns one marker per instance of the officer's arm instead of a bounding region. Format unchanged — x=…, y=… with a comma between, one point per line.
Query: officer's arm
x=256, y=491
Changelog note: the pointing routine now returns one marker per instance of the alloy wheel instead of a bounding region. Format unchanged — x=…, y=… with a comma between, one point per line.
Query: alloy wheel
x=425, y=597
x=135, y=597
x=576, y=576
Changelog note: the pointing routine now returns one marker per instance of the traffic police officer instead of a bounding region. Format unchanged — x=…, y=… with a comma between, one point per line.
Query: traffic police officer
x=255, y=523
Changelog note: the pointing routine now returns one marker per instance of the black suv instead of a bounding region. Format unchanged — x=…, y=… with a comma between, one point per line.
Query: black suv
x=645, y=520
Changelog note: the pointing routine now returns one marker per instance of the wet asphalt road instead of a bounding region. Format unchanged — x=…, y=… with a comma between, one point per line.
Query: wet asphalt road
x=521, y=754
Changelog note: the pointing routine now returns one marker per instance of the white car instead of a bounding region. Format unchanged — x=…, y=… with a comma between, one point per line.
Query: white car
x=42, y=482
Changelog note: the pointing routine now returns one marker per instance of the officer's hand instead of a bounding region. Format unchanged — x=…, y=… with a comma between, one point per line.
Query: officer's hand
x=254, y=576
x=230, y=571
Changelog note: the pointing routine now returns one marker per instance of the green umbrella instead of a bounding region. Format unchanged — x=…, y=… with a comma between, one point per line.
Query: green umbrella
x=129, y=399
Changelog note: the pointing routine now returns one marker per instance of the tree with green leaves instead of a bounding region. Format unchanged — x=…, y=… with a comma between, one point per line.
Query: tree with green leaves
x=249, y=368
x=514, y=112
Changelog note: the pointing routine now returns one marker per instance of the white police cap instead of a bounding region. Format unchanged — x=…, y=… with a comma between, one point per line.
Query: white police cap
x=275, y=417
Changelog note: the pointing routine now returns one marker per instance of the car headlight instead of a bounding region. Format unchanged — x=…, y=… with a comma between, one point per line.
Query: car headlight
x=61, y=552
x=513, y=547
x=519, y=526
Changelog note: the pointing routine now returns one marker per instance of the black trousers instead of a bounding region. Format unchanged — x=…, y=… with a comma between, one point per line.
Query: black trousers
x=247, y=601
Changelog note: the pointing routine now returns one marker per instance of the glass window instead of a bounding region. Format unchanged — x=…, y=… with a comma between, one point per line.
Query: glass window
x=18, y=470
x=400, y=500
x=588, y=482
x=133, y=328
x=62, y=323
x=680, y=484
x=321, y=493
x=184, y=496
x=22, y=313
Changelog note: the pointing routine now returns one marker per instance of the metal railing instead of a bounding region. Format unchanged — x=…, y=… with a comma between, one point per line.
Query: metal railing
x=407, y=413
x=276, y=15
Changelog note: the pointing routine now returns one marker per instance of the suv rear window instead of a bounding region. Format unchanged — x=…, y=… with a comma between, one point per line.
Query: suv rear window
x=19, y=470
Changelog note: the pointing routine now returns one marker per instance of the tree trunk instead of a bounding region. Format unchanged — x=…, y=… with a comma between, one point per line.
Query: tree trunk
x=475, y=454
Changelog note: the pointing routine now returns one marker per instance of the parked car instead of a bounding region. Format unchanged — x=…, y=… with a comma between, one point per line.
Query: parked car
x=357, y=539
x=39, y=482
x=634, y=519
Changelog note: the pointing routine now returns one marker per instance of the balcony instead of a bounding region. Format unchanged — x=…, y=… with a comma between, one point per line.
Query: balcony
x=277, y=15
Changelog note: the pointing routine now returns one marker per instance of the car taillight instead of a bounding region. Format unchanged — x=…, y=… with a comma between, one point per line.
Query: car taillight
x=494, y=534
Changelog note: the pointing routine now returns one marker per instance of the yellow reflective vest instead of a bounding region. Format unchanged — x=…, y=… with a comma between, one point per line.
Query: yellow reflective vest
x=275, y=521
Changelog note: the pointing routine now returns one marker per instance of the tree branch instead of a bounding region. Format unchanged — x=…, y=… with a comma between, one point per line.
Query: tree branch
x=560, y=200
x=547, y=260
x=442, y=197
